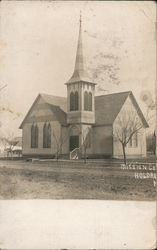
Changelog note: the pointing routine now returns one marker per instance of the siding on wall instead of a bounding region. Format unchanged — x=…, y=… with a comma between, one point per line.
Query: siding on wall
x=102, y=140
x=65, y=136
x=85, y=129
x=140, y=150
x=27, y=150
x=40, y=114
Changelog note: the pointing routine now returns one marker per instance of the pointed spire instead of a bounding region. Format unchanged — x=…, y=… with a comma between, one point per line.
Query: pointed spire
x=79, y=54
x=79, y=72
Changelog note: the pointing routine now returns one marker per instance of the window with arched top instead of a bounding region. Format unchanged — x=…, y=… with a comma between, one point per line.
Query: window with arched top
x=131, y=139
x=44, y=135
x=34, y=136
x=47, y=136
x=76, y=101
x=133, y=142
x=85, y=100
x=136, y=139
x=90, y=101
x=130, y=142
x=72, y=101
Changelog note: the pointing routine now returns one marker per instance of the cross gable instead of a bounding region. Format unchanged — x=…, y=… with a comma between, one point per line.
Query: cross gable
x=42, y=111
x=131, y=105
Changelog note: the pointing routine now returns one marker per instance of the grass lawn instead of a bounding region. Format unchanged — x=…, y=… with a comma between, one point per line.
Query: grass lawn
x=68, y=180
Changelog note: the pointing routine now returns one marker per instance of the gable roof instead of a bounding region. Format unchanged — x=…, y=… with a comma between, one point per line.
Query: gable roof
x=55, y=100
x=56, y=103
x=107, y=107
x=60, y=115
x=145, y=123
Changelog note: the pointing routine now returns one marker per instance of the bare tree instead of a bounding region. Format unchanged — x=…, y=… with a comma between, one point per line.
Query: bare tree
x=151, y=105
x=61, y=138
x=151, y=143
x=105, y=66
x=9, y=143
x=5, y=109
x=59, y=142
x=127, y=125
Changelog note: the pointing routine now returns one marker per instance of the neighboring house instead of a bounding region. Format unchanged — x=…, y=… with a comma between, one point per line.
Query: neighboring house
x=11, y=147
x=17, y=148
x=60, y=125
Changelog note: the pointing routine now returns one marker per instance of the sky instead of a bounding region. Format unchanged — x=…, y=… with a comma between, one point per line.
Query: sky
x=38, y=41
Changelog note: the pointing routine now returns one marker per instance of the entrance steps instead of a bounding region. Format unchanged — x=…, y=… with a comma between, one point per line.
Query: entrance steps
x=75, y=154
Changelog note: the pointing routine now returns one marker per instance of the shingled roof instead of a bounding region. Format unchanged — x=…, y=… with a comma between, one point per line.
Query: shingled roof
x=107, y=107
x=57, y=104
x=56, y=100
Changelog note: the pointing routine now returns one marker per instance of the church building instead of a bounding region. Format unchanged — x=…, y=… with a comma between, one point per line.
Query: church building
x=80, y=124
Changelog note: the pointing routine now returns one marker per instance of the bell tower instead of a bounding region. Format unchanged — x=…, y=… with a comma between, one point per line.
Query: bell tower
x=80, y=90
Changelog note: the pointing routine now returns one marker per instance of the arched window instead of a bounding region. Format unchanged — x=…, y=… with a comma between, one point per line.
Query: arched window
x=34, y=136
x=131, y=140
x=85, y=100
x=76, y=101
x=47, y=136
x=72, y=101
x=90, y=101
x=44, y=135
x=136, y=139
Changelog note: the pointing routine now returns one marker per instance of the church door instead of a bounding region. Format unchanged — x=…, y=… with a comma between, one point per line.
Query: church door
x=74, y=142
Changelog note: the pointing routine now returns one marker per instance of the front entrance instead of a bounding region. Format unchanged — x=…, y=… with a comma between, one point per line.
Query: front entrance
x=74, y=142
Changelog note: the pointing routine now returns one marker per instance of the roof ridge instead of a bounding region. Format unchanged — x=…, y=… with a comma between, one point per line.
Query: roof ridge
x=115, y=93
x=42, y=94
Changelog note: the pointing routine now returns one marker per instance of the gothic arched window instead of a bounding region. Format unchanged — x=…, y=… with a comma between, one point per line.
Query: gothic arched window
x=85, y=100
x=131, y=140
x=90, y=101
x=47, y=136
x=44, y=135
x=72, y=101
x=76, y=101
x=34, y=136
x=136, y=139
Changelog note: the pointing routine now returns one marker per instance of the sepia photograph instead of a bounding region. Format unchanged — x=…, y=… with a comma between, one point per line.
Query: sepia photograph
x=78, y=101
